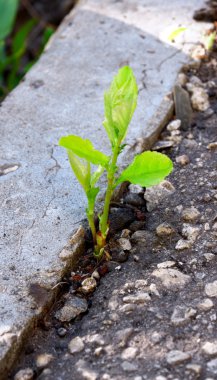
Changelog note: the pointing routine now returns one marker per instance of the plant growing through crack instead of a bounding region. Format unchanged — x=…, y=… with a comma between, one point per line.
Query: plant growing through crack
x=147, y=169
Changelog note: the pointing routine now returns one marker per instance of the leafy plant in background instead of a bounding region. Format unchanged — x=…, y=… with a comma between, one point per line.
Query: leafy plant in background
x=209, y=40
x=11, y=67
x=147, y=169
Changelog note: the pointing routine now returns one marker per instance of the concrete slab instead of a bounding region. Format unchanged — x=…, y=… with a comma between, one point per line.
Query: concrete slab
x=41, y=202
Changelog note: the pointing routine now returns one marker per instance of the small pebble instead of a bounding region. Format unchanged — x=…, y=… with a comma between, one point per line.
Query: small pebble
x=166, y=264
x=174, y=125
x=125, y=244
x=205, y=305
x=139, y=298
x=24, y=374
x=43, y=360
x=190, y=214
x=76, y=345
x=129, y=367
x=211, y=289
x=62, y=332
x=129, y=353
x=88, y=285
x=164, y=229
x=177, y=357
x=182, y=244
x=182, y=160
x=196, y=368
x=212, y=145
x=210, y=348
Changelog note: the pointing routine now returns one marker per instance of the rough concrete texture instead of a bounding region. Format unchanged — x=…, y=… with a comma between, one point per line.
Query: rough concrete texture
x=41, y=202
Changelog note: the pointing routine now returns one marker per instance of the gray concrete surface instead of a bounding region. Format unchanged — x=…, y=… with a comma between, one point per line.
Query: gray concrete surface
x=41, y=202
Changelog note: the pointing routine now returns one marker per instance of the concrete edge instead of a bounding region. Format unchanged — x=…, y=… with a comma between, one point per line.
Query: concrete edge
x=70, y=255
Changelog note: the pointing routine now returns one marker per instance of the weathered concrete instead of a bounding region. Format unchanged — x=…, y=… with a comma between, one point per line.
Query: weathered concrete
x=41, y=202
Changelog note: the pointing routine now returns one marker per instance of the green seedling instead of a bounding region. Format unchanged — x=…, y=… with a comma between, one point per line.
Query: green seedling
x=147, y=169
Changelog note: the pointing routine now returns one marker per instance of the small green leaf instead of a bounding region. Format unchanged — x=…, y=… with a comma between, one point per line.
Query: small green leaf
x=84, y=149
x=120, y=101
x=209, y=40
x=96, y=175
x=8, y=11
x=81, y=168
x=147, y=169
x=175, y=33
x=20, y=39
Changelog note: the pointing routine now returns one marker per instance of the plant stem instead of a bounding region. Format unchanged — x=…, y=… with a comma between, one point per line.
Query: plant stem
x=90, y=217
x=109, y=192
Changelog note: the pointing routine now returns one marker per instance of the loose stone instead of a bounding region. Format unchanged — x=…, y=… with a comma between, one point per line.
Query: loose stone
x=24, y=374
x=182, y=79
x=196, y=368
x=135, y=189
x=62, y=332
x=183, y=160
x=212, y=366
x=129, y=367
x=211, y=289
x=172, y=278
x=212, y=145
x=123, y=336
x=183, y=244
x=190, y=232
x=177, y=357
x=76, y=345
x=164, y=229
x=210, y=348
x=154, y=290
x=129, y=353
x=205, y=305
x=183, y=108
x=190, y=214
x=199, y=99
x=134, y=200
x=209, y=256
x=125, y=244
x=181, y=315
x=139, y=298
x=174, y=125
x=73, y=307
x=86, y=373
x=88, y=285
x=43, y=360
x=166, y=264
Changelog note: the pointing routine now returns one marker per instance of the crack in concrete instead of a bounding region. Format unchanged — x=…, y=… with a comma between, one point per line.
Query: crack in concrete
x=56, y=165
x=168, y=58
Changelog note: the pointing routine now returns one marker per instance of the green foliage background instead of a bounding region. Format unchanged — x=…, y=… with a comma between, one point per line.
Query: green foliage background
x=14, y=60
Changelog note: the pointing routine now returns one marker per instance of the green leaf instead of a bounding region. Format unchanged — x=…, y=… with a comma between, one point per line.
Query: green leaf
x=96, y=175
x=84, y=149
x=81, y=168
x=8, y=11
x=176, y=33
x=147, y=169
x=209, y=40
x=19, y=42
x=120, y=101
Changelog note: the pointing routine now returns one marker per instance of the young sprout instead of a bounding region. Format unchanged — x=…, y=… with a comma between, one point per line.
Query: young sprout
x=147, y=169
